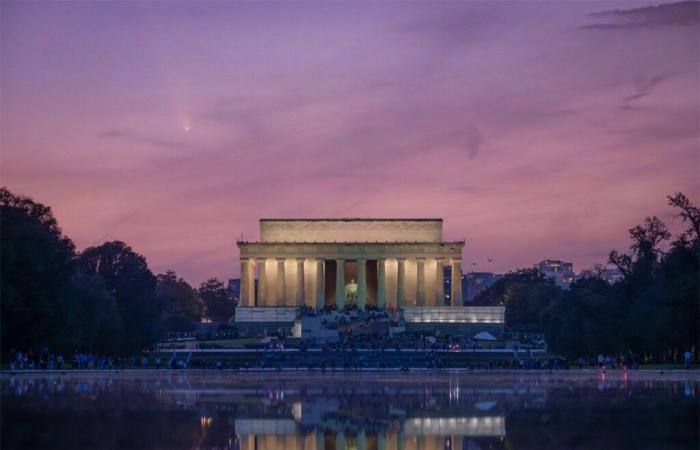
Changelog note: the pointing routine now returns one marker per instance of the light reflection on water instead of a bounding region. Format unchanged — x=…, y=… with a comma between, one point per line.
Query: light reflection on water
x=363, y=411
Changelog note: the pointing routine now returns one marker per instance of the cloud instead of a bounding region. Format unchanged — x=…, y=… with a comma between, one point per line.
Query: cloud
x=668, y=126
x=459, y=26
x=141, y=139
x=473, y=140
x=468, y=138
x=644, y=86
x=672, y=14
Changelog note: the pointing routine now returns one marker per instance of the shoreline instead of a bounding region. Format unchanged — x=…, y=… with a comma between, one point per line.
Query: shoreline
x=589, y=374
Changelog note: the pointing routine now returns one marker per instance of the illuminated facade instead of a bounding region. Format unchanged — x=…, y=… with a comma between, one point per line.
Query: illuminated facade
x=308, y=262
x=389, y=264
x=419, y=433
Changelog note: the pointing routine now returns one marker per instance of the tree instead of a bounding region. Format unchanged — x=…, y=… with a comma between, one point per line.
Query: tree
x=217, y=299
x=647, y=237
x=653, y=311
x=524, y=293
x=181, y=305
x=639, y=267
x=37, y=263
x=659, y=292
x=689, y=213
x=95, y=320
x=128, y=279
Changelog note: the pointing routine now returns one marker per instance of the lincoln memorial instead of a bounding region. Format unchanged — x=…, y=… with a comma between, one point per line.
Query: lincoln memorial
x=396, y=265
x=389, y=263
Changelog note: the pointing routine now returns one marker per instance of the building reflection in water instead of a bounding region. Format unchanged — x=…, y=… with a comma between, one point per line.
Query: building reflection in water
x=391, y=413
x=417, y=433
x=316, y=424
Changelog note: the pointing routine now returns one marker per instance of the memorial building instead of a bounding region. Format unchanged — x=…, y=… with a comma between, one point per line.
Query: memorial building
x=396, y=265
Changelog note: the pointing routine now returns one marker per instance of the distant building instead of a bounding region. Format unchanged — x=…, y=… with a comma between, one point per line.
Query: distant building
x=475, y=282
x=609, y=274
x=612, y=275
x=561, y=272
x=234, y=288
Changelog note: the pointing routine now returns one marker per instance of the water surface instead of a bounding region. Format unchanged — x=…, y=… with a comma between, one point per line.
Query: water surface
x=364, y=411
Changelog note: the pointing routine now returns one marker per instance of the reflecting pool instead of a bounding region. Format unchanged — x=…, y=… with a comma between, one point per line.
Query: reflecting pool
x=340, y=411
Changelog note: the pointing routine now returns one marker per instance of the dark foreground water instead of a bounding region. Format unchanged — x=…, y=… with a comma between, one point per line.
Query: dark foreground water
x=364, y=411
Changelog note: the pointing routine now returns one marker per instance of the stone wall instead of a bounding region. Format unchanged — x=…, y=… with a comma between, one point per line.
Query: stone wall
x=351, y=230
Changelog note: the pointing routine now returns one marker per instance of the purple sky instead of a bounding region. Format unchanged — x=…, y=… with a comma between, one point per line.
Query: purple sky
x=536, y=130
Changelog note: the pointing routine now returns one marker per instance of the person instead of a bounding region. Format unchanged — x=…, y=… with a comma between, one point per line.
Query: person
x=601, y=361
x=18, y=360
x=688, y=358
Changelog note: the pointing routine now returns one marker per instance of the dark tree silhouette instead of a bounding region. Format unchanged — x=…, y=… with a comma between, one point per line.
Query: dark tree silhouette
x=181, y=304
x=128, y=279
x=35, y=276
x=653, y=311
x=217, y=298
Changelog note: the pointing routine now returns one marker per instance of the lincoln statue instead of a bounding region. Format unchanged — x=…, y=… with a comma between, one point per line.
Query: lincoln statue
x=351, y=293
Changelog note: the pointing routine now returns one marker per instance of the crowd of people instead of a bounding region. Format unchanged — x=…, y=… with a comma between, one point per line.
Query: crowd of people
x=603, y=362
x=46, y=360
x=355, y=350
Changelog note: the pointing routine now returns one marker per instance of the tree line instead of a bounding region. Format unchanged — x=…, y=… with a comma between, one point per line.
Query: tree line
x=653, y=311
x=104, y=299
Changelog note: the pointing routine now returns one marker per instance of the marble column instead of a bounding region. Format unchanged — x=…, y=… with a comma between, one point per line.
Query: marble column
x=381, y=441
x=456, y=282
x=340, y=441
x=381, y=283
x=300, y=298
x=320, y=440
x=361, y=284
x=420, y=282
x=401, y=441
x=401, y=283
x=340, y=284
x=440, y=282
x=361, y=441
x=245, y=297
x=320, y=284
x=262, y=283
x=279, y=282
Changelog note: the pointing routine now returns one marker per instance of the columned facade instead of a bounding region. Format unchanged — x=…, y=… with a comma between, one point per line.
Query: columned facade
x=361, y=283
x=299, y=285
x=420, y=282
x=381, y=283
x=262, y=281
x=320, y=284
x=340, y=283
x=247, y=282
x=401, y=283
x=440, y=287
x=383, y=263
x=279, y=283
